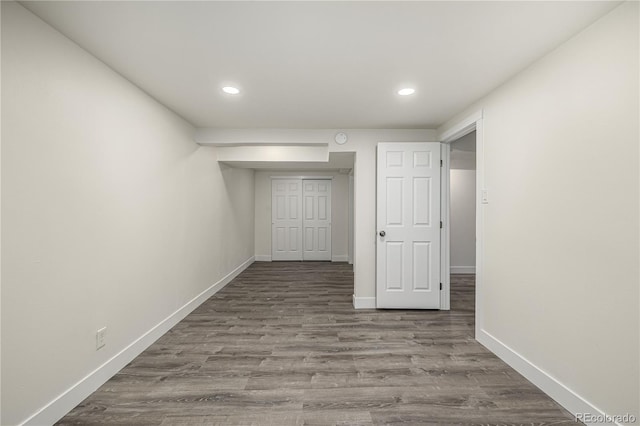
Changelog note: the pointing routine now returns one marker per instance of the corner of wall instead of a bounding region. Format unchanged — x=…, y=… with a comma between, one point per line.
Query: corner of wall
x=65, y=402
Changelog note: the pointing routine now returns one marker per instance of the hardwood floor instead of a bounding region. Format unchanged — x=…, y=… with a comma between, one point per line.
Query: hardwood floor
x=282, y=345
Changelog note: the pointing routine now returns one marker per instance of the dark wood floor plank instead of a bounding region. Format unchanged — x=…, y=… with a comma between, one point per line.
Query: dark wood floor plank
x=282, y=345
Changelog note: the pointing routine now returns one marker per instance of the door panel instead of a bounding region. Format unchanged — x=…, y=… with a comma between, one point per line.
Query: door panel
x=421, y=201
x=286, y=221
x=394, y=281
x=322, y=240
x=394, y=187
x=421, y=251
x=317, y=220
x=408, y=219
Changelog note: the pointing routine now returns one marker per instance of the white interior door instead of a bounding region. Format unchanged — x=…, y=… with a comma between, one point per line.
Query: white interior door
x=286, y=219
x=317, y=219
x=408, y=219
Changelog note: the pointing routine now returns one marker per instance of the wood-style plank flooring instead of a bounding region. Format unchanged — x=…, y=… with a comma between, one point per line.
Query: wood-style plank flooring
x=282, y=345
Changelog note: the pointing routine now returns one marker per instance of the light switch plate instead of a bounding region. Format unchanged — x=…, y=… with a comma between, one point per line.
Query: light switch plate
x=484, y=196
x=101, y=336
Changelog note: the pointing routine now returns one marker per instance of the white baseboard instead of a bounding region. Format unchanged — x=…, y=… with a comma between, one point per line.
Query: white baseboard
x=65, y=402
x=267, y=258
x=463, y=269
x=364, y=302
x=564, y=396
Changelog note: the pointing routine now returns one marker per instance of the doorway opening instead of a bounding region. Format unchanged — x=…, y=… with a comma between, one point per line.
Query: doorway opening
x=314, y=207
x=473, y=123
x=462, y=216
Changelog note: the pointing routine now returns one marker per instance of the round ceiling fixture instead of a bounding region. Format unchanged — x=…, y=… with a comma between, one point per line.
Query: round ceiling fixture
x=341, y=138
x=406, y=91
x=231, y=90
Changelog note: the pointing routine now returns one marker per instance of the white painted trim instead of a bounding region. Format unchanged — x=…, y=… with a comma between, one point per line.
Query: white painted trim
x=461, y=128
x=564, y=396
x=268, y=136
x=340, y=258
x=350, y=219
x=445, y=232
x=325, y=177
x=263, y=258
x=364, y=302
x=480, y=185
x=463, y=269
x=65, y=402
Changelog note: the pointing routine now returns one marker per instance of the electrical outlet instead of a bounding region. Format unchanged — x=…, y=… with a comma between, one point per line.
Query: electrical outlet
x=101, y=336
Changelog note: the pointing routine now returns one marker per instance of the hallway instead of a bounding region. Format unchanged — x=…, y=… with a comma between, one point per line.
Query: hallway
x=282, y=345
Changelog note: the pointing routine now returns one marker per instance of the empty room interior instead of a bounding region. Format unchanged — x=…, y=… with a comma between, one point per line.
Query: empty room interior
x=287, y=213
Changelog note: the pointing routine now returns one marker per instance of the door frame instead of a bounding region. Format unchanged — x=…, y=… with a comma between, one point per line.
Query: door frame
x=474, y=121
x=350, y=220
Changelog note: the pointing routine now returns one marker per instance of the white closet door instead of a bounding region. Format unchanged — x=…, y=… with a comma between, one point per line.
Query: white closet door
x=317, y=219
x=286, y=219
x=408, y=243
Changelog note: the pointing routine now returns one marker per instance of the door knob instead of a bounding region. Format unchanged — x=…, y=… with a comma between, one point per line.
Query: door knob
x=382, y=233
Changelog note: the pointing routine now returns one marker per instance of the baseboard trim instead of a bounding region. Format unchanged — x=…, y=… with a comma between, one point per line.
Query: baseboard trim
x=267, y=258
x=463, y=269
x=65, y=402
x=364, y=302
x=564, y=396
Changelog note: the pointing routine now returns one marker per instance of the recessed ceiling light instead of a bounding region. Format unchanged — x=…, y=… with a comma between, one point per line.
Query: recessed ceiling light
x=406, y=91
x=231, y=90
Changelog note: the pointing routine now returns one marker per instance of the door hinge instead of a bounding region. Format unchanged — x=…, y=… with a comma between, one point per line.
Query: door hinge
x=440, y=163
x=440, y=286
x=440, y=224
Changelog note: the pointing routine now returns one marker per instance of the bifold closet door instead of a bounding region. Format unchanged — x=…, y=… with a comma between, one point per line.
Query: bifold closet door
x=316, y=221
x=286, y=219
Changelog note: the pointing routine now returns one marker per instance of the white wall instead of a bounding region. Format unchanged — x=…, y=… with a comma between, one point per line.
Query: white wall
x=339, y=211
x=463, y=221
x=559, y=294
x=111, y=215
x=463, y=152
x=363, y=143
x=0, y=232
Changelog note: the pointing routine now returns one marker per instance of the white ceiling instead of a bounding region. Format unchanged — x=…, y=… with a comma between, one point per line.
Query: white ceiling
x=318, y=64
